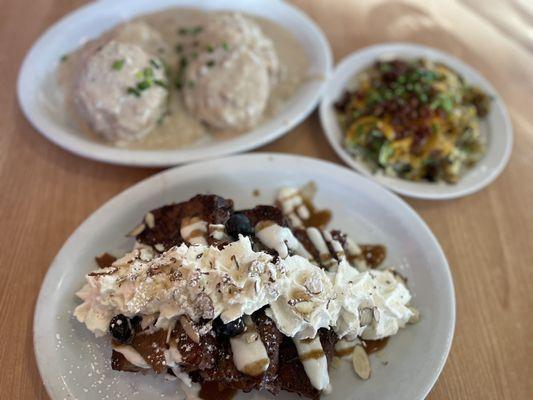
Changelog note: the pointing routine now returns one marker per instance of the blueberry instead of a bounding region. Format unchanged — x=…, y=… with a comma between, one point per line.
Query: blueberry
x=233, y=328
x=239, y=223
x=121, y=329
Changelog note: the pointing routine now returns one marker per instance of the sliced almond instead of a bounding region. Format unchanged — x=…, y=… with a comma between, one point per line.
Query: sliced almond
x=190, y=329
x=376, y=314
x=148, y=320
x=137, y=230
x=150, y=220
x=361, y=363
x=366, y=315
x=415, y=317
x=304, y=307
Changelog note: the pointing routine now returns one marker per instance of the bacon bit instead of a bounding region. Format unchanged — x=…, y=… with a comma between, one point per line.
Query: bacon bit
x=105, y=260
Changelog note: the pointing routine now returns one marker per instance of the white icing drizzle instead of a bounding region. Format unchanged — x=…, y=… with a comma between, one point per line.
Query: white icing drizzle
x=218, y=232
x=194, y=230
x=292, y=205
x=280, y=239
x=295, y=220
x=315, y=236
x=276, y=237
x=352, y=248
x=335, y=245
x=249, y=353
x=132, y=356
x=302, y=251
x=303, y=212
x=314, y=361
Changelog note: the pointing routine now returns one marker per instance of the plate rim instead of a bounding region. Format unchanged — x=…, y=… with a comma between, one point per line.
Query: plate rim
x=167, y=175
x=453, y=193
x=69, y=141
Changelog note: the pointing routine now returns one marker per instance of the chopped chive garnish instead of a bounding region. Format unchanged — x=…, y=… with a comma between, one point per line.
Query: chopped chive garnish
x=159, y=82
x=182, y=31
x=191, y=84
x=194, y=55
x=179, y=48
x=139, y=75
x=148, y=72
x=210, y=48
x=64, y=58
x=118, y=64
x=143, y=85
x=225, y=46
x=154, y=64
x=210, y=63
x=134, y=92
x=196, y=30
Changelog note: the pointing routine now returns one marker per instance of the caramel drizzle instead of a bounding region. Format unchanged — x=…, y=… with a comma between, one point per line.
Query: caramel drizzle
x=256, y=368
x=264, y=224
x=344, y=352
x=312, y=355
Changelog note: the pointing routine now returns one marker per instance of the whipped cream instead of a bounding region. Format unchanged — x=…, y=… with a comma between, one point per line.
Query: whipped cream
x=293, y=206
x=197, y=281
x=308, y=300
x=373, y=304
x=205, y=282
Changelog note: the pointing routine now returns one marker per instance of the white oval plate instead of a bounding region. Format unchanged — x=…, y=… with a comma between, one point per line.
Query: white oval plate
x=42, y=101
x=73, y=364
x=497, y=126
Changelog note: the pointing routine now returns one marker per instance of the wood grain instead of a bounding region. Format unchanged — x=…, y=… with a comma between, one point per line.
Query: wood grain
x=46, y=192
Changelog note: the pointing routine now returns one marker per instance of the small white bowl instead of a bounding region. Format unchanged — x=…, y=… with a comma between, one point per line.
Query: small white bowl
x=75, y=365
x=42, y=102
x=497, y=125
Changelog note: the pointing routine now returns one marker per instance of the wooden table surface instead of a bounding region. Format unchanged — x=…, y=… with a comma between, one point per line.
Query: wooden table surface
x=488, y=237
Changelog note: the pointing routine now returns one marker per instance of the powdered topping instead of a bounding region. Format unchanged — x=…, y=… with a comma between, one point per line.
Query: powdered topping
x=197, y=281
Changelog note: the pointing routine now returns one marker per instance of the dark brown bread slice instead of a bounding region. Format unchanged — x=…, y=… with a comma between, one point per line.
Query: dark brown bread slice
x=227, y=375
x=262, y=213
x=167, y=219
x=291, y=373
x=272, y=338
x=196, y=356
x=328, y=339
x=151, y=346
x=224, y=371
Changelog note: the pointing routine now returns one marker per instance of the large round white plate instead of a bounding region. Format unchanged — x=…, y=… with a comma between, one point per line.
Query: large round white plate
x=73, y=364
x=497, y=126
x=43, y=104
